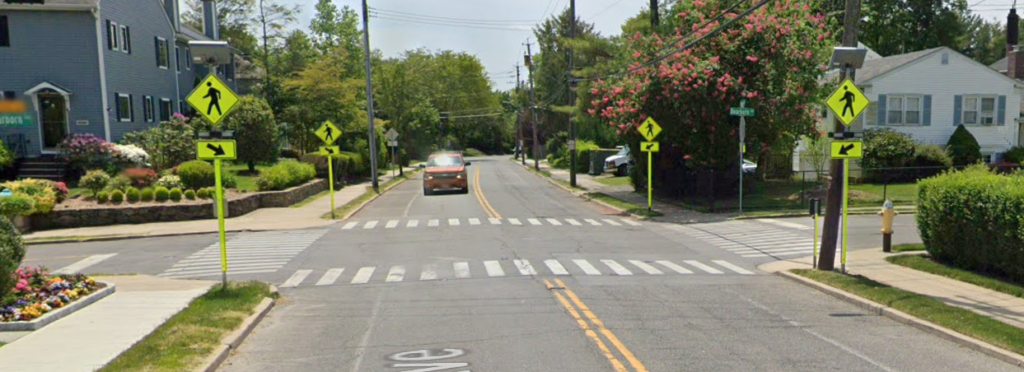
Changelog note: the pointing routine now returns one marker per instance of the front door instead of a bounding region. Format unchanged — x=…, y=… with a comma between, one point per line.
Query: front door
x=54, y=119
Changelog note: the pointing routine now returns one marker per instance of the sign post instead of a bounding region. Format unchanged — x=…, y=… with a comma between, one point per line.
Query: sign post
x=650, y=130
x=743, y=112
x=392, y=136
x=847, y=103
x=214, y=100
x=328, y=133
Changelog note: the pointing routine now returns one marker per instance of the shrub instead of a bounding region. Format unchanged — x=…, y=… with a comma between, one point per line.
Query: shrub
x=228, y=180
x=121, y=182
x=319, y=162
x=196, y=174
x=963, y=147
x=116, y=196
x=170, y=182
x=147, y=194
x=130, y=155
x=1014, y=155
x=41, y=191
x=140, y=177
x=102, y=197
x=170, y=143
x=95, y=181
x=86, y=151
x=971, y=219
x=190, y=194
x=885, y=148
x=60, y=188
x=284, y=175
x=6, y=156
x=290, y=154
x=473, y=152
x=203, y=193
x=175, y=195
x=933, y=159
x=132, y=195
x=12, y=252
x=16, y=205
x=162, y=194
x=256, y=131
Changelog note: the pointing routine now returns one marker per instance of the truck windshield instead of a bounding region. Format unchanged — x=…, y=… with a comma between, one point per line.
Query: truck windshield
x=444, y=161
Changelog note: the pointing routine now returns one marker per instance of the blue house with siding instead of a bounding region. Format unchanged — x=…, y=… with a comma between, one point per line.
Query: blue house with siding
x=105, y=67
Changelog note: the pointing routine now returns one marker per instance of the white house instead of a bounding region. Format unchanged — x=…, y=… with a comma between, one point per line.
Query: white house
x=928, y=93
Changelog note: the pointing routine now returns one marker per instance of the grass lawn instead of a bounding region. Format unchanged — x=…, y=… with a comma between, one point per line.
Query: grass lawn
x=912, y=247
x=923, y=263
x=189, y=337
x=246, y=181
x=775, y=195
x=900, y=194
x=614, y=181
x=76, y=191
x=631, y=208
x=960, y=320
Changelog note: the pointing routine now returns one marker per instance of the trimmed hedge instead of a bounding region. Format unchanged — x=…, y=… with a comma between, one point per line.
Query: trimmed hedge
x=963, y=147
x=12, y=252
x=162, y=194
x=175, y=195
x=197, y=173
x=285, y=174
x=971, y=219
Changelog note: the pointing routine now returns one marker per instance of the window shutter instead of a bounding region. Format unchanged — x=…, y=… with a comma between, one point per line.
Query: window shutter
x=110, y=38
x=117, y=105
x=883, y=101
x=926, y=115
x=128, y=39
x=1001, y=111
x=156, y=47
x=131, y=107
x=958, y=108
x=5, y=32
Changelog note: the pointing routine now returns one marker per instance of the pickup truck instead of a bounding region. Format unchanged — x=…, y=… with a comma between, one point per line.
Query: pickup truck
x=618, y=163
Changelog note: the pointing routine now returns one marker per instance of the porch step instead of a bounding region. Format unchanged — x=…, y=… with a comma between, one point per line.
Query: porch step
x=45, y=167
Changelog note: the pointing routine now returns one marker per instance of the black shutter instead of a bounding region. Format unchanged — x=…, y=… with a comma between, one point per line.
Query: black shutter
x=110, y=37
x=156, y=44
x=131, y=107
x=5, y=32
x=117, y=106
x=128, y=39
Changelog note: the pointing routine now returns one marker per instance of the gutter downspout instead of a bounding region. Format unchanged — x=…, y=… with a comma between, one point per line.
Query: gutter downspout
x=103, y=73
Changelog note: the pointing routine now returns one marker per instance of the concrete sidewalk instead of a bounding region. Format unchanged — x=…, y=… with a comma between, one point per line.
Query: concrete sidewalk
x=307, y=216
x=72, y=344
x=871, y=264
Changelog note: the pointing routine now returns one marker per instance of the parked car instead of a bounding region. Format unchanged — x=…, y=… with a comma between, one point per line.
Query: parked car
x=445, y=171
x=618, y=163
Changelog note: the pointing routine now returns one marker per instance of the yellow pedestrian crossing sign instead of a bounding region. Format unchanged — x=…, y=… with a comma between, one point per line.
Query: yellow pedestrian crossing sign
x=650, y=146
x=212, y=99
x=847, y=102
x=328, y=132
x=216, y=149
x=847, y=149
x=330, y=151
x=650, y=129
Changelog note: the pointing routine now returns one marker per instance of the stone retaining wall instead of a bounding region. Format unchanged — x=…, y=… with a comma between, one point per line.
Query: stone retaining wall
x=70, y=218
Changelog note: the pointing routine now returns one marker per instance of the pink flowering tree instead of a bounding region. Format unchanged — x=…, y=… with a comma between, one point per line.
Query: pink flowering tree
x=774, y=58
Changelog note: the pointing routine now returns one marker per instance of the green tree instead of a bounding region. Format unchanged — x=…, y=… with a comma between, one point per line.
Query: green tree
x=333, y=30
x=321, y=92
x=256, y=131
x=963, y=147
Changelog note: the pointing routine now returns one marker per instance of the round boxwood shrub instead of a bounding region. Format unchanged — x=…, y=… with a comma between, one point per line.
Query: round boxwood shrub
x=12, y=252
x=1014, y=155
x=175, y=195
x=95, y=181
x=102, y=197
x=195, y=174
x=147, y=194
x=190, y=194
x=132, y=195
x=120, y=183
x=16, y=205
x=963, y=147
x=116, y=196
x=203, y=193
x=162, y=194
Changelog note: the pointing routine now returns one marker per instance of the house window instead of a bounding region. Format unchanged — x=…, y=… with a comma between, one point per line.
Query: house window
x=177, y=59
x=903, y=110
x=113, y=41
x=126, y=40
x=162, y=58
x=986, y=158
x=124, y=107
x=979, y=110
x=7, y=94
x=5, y=32
x=165, y=109
x=148, y=108
x=188, y=59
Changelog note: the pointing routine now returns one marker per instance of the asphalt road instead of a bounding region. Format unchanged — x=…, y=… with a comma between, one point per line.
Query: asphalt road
x=518, y=275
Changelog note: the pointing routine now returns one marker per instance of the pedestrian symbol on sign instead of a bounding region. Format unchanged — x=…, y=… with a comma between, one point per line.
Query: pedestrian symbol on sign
x=848, y=97
x=847, y=102
x=214, y=95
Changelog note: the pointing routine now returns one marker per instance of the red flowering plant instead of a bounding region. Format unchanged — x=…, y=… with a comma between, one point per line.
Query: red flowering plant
x=36, y=292
x=140, y=177
x=774, y=58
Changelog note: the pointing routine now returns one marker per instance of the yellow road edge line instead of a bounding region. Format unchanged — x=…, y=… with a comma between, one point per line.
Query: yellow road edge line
x=626, y=353
x=476, y=192
x=619, y=367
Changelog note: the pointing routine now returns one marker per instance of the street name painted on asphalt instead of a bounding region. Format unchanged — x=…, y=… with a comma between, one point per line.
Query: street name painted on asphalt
x=650, y=146
x=847, y=102
x=650, y=129
x=213, y=99
x=216, y=150
x=328, y=132
x=847, y=149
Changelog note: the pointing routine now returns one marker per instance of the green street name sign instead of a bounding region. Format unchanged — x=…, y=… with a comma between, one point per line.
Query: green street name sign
x=16, y=120
x=741, y=111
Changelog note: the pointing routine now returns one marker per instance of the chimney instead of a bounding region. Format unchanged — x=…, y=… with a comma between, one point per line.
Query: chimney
x=171, y=7
x=210, y=25
x=1014, y=61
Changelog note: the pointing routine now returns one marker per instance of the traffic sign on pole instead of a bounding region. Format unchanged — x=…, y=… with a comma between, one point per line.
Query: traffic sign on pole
x=219, y=149
x=650, y=129
x=213, y=99
x=392, y=134
x=650, y=146
x=847, y=102
x=847, y=149
x=328, y=132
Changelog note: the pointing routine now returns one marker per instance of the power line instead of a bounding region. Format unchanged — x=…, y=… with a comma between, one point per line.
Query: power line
x=592, y=16
x=451, y=24
x=452, y=19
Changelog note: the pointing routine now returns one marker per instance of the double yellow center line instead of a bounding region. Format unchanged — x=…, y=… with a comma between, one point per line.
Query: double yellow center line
x=589, y=322
x=479, y=192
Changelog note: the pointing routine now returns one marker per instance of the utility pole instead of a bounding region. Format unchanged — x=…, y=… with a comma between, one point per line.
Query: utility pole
x=654, y=13
x=533, y=107
x=519, y=119
x=834, y=200
x=369, y=95
x=269, y=89
x=572, y=98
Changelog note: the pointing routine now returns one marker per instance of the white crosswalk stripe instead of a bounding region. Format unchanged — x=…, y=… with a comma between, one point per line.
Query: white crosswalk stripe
x=474, y=221
x=531, y=222
x=554, y=222
x=573, y=222
x=791, y=225
x=350, y=225
x=494, y=221
x=752, y=240
x=433, y=223
x=77, y=267
x=534, y=221
x=612, y=222
x=522, y=267
x=631, y=222
x=515, y=221
x=592, y=222
x=248, y=253
x=413, y=223
x=453, y=222
x=370, y=225
x=391, y=224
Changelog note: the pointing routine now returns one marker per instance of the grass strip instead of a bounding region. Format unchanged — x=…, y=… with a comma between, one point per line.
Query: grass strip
x=614, y=181
x=344, y=210
x=622, y=204
x=184, y=341
x=957, y=319
x=312, y=198
x=912, y=247
x=923, y=263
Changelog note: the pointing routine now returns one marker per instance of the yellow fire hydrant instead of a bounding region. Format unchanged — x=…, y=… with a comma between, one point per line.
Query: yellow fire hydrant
x=888, y=213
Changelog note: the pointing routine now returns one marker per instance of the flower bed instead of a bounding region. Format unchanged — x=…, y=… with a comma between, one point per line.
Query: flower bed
x=38, y=293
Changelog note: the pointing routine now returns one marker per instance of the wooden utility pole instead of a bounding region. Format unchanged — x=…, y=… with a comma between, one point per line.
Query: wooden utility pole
x=834, y=200
x=654, y=13
x=572, y=97
x=369, y=97
x=519, y=120
x=533, y=106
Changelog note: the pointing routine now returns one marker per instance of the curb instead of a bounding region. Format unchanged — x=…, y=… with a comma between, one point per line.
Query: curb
x=48, y=318
x=368, y=201
x=804, y=214
x=904, y=318
x=234, y=339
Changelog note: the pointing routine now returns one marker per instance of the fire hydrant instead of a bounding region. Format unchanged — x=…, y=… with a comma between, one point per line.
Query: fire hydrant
x=888, y=213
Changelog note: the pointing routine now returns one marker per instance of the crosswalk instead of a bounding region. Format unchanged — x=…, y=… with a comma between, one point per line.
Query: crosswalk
x=255, y=253
x=477, y=223
x=509, y=268
x=750, y=240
